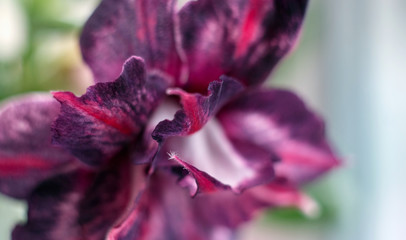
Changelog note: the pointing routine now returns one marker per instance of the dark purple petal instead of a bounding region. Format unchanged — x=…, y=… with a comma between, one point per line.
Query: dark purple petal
x=110, y=115
x=278, y=122
x=244, y=39
x=214, y=162
x=197, y=109
x=26, y=154
x=205, y=182
x=167, y=212
x=81, y=204
x=119, y=29
x=164, y=213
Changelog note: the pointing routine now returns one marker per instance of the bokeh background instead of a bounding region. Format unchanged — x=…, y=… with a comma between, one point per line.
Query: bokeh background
x=350, y=66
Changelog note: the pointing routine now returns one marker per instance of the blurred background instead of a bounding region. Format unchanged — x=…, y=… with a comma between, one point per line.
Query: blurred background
x=350, y=67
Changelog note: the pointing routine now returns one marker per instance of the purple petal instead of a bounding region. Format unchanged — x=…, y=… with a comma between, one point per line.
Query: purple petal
x=215, y=163
x=164, y=212
x=119, y=29
x=244, y=39
x=81, y=204
x=167, y=212
x=278, y=122
x=97, y=125
x=205, y=182
x=26, y=154
x=230, y=210
x=197, y=109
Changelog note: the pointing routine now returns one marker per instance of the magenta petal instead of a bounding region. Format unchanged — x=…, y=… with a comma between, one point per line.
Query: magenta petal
x=98, y=124
x=197, y=109
x=278, y=122
x=205, y=182
x=230, y=210
x=119, y=29
x=215, y=162
x=81, y=204
x=26, y=154
x=243, y=39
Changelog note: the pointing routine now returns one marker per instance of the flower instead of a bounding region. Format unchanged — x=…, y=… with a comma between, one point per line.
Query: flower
x=96, y=166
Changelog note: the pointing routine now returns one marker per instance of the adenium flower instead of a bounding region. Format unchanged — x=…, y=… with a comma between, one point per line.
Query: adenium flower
x=183, y=143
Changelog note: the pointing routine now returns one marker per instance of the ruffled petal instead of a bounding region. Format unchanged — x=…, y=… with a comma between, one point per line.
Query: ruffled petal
x=207, y=153
x=197, y=109
x=167, y=212
x=164, y=212
x=214, y=163
x=243, y=39
x=205, y=182
x=26, y=154
x=81, y=204
x=119, y=29
x=278, y=122
x=97, y=125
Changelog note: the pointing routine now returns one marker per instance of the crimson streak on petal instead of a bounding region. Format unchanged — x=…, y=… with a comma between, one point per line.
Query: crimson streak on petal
x=197, y=109
x=110, y=115
x=278, y=122
x=26, y=154
x=205, y=182
x=244, y=39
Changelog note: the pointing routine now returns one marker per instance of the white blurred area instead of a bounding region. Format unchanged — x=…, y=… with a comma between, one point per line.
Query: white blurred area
x=350, y=66
x=13, y=29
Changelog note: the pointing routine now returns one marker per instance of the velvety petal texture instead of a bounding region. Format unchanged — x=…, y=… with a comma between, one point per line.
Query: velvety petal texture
x=118, y=169
x=244, y=39
x=97, y=125
x=166, y=211
x=80, y=204
x=26, y=154
x=213, y=161
x=278, y=122
x=197, y=109
x=119, y=29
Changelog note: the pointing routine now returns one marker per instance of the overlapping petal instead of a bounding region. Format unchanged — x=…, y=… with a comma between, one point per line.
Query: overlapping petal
x=119, y=29
x=80, y=204
x=212, y=153
x=230, y=141
x=197, y=109
x=278, y=122
x=244, y=39
x=166, y=211
x=26, y=154
x=97, y=125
